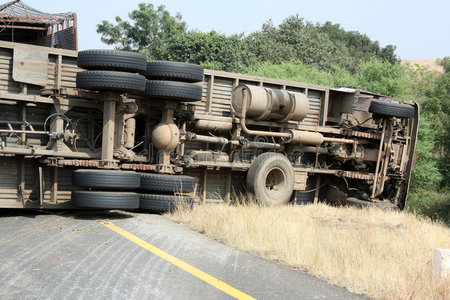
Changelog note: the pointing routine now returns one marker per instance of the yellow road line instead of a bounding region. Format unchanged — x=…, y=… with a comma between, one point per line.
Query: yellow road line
x=178, y=262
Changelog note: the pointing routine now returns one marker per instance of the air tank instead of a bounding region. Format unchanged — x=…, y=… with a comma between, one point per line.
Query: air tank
x=273, y=104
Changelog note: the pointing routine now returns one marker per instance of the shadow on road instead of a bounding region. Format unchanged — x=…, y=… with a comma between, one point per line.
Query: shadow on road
x=99, y=215
x=76, y=214
x=27, y=213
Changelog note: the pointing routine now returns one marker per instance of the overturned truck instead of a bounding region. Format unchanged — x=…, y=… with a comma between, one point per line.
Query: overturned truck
x=108, y=129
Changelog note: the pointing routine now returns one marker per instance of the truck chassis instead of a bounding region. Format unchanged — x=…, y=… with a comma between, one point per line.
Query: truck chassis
x=342, y=146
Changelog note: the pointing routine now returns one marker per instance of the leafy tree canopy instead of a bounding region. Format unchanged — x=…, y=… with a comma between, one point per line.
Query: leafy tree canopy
x=148, y=30
x=159, y=35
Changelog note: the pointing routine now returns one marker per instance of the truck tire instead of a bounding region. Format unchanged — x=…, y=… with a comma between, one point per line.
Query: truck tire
x=173, y=70
x=173, y=90
x=106, y=200
x=125, y=180
x=167, y=183
x=271, y=179
x=390, y=109
x=164, y=203
x=112, y=60
x=110, y=81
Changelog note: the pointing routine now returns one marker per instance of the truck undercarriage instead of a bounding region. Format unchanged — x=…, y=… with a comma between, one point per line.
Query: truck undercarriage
x=228, y=134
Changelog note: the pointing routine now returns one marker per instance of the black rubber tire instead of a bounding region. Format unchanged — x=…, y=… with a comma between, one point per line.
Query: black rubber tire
x=281, y=174
x=125, y=180
x=173, y=90
x=106, y=200
x=111, y=81
x=167, y=183
x=164, y=203
x=112, y=60
x=390, y=109
x=173, y=70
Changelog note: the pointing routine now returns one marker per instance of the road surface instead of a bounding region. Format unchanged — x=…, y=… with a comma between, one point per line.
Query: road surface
x=124, y=255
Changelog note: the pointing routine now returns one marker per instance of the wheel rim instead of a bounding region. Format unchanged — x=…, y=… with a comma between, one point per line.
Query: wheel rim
x=275, y=183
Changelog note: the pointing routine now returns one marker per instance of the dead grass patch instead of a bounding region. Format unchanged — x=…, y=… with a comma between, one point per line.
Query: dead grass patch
x=381, y=254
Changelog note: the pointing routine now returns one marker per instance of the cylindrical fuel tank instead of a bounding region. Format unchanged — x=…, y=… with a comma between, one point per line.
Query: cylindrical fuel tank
x=273, y=104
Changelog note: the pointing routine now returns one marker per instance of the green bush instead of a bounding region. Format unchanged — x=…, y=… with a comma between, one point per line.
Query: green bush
x=431, y=204
x=298, y=71
x=426, y=175
x=383, y=78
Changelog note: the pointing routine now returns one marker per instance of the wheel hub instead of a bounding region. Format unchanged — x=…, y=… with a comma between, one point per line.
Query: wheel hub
x=275, y=182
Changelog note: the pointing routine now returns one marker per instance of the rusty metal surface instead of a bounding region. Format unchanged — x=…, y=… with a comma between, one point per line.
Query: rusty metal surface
x=71, y=162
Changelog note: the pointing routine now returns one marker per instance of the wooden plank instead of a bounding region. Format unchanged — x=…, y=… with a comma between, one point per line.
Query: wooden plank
x=209, y=94
x=11, y=45
x=58, y=72
x=30, y=66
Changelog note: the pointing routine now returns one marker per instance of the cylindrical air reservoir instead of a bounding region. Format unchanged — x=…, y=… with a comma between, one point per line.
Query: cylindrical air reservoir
x=274, y=104
x=199, y=155
x=214, y=125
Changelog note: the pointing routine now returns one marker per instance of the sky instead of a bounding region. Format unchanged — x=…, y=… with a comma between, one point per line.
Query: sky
x=420, y=29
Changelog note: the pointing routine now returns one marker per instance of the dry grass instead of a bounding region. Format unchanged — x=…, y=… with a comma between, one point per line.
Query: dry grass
x=384, y=255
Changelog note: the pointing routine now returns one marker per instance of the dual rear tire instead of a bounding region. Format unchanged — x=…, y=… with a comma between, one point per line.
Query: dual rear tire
x=171, y=80
x=105, y=200
x=111, y=70
x=108, y=189
x=162, y=193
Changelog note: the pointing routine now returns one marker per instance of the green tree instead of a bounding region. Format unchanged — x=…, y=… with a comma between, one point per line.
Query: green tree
x=148, y=32
x=159, y=35
x=431, y=179
x=295, y=39
x=437, y=108
x=212, y=50
x=298, y=71
x=384, y=78
x=422, y=81
x=426, y=175
x=360, y=46
x=265, y=46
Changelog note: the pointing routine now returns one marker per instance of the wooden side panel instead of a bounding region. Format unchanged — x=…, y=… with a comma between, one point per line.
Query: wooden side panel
x=30, y=66
x=36, y=67
x=8, y=179
x=218, y=87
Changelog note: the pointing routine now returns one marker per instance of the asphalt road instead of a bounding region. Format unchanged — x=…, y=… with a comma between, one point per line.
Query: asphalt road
x=114, y=255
